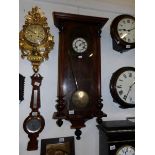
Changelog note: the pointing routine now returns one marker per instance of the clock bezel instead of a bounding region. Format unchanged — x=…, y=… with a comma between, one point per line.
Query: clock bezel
x=80, y=38
x=30, y=117
x=113, y=89
x=123, y=147
x=122, y=45
x=80, y=33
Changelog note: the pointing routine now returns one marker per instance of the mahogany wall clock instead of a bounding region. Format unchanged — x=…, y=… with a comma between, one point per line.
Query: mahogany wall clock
x=79, y=69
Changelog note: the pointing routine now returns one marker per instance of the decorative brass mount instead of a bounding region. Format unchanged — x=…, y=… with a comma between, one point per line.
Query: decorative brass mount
x=35, y=52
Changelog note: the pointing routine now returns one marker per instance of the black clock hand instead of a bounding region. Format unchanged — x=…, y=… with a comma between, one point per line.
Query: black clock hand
x=125, y=97
x=32, y=31
x=132, y=84
x=82, y=45
x=122, y=29
x=130, y=89
x=126, y=29
x=130, y=29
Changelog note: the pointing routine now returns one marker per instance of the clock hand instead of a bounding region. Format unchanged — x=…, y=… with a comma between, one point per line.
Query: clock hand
x=130, y=29
x=129, y=89
x=126, y=29
x=122, y=29
x=125, y=97
x=132, y=84
x=32, y=31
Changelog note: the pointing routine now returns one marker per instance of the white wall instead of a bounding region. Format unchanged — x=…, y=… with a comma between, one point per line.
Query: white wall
x=111, y=61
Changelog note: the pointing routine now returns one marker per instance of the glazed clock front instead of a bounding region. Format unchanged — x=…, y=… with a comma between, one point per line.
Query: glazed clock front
x=35, y=34
x=122, y=87
x=126, y=150
x=122, y=32
x=79, y=45
x=126, y=29
x=79, y=74
x=117, y=137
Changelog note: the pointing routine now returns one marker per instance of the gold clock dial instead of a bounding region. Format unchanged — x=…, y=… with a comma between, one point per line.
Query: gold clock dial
x=35, y=34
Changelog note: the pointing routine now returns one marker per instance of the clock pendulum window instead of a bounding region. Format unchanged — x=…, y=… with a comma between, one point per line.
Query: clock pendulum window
x=35, y=42
x=79, y=70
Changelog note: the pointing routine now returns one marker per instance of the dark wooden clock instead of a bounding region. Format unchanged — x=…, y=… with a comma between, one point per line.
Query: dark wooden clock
x=122, y=32
x=122, y=87
x=117, y=137
x=79, y=69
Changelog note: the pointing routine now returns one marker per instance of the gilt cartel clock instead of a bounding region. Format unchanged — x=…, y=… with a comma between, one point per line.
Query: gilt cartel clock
x=122, y=31
x=79, y=69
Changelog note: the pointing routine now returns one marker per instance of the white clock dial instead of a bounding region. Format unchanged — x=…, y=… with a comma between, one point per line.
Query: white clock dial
x=79, y=45
x=126, y=150
x=126, y=30
x=125, y=86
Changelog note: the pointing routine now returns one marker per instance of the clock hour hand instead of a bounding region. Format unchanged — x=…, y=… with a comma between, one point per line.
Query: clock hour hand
x=32, y=31
x=130, y=29
x=122, y=29
x=126, y=29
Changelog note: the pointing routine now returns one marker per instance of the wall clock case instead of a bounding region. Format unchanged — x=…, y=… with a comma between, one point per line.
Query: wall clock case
x=117, y=137
x=122, y=87
x=79, y=69
x=122, y=32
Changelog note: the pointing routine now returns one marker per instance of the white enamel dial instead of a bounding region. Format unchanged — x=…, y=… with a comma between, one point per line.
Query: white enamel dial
x=79, y=45
x=126, y=150
x=125, y=86
x=126, y=30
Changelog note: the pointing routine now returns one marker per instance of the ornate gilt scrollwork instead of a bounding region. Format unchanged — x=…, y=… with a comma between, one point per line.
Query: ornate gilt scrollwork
x=36, y=52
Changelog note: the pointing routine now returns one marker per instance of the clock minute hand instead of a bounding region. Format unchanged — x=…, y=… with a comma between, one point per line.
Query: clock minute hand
x=128, y=92
x=122, y=29
x=130, y=29
x=32, y=31
x=126, y=29
x=129, y=89
x=132, y=84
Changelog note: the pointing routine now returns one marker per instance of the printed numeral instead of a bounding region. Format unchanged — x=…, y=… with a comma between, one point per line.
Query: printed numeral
x=124, y=97
x=120, y=92
x=124, y=75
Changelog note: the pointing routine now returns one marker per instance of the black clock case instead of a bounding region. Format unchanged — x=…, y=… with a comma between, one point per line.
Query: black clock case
x=114, y=134
x=119, y=44
x=113, y=90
